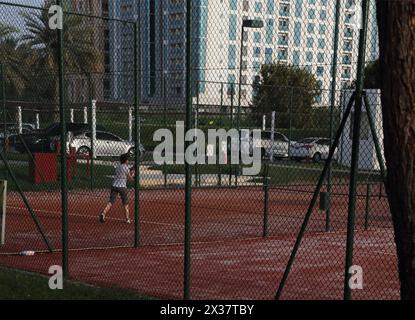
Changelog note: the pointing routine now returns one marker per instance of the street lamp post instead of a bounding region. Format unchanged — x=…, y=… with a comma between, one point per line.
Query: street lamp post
x=249, y=24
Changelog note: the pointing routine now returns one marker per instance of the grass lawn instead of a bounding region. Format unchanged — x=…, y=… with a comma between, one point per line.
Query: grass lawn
x=281, y=173
x=18, y=285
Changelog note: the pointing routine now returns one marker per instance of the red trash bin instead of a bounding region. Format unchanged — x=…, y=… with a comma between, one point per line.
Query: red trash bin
x=43, y=168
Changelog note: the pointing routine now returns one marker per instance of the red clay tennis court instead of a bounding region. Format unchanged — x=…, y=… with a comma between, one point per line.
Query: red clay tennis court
x=230, y=257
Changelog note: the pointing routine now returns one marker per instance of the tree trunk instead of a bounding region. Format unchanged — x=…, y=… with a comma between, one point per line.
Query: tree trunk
x=396, y=20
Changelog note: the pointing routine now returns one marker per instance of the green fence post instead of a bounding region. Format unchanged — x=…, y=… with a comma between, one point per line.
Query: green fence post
x=367, y=209
x=137, y=94
x=165, y=124
x=230, y=151
x=196, y=166
x=238, y=126
x=91, y=112
x=332, y=104
x=266, y=200
x=290, y=132
x=63, y=171
x=220, y=147
x=188, y=168
x=3, y=102
x=355, y=151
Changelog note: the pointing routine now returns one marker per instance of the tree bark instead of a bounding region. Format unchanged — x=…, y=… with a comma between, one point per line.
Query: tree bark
x=396, y=21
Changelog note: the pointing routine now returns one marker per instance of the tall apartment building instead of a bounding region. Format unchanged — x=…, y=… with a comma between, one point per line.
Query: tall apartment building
x=162, y=44
x=295, y=32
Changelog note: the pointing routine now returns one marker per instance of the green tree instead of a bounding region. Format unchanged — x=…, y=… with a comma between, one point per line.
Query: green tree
x=287, y=90
x=11, y=60
x=80, y=55
x=372, y=75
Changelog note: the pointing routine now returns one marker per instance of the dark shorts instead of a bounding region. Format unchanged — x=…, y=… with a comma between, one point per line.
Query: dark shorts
x=119, y=191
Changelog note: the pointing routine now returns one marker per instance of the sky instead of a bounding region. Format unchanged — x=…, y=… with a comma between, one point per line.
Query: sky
x=11, y=16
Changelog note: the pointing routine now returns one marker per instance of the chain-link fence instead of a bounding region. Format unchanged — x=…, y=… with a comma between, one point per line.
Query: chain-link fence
x=121, y=84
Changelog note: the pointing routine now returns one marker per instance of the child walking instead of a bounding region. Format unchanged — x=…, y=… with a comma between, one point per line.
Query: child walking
x=119, y=187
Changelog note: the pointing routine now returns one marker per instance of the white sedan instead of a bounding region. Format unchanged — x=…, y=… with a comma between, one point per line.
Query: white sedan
x=106, y=145
x=316, y=149
x=279, y=147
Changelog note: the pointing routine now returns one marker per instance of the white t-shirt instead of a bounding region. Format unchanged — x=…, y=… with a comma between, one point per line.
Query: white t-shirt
x=121, y=176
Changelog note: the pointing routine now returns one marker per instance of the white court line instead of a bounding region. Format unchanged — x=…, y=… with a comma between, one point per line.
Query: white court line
x=86, y=216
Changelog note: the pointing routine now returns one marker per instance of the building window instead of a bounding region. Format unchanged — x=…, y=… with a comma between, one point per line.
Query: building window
x=233, y=4
x=296, y=58
x=258, y=7
x=311, y=14
x=268, y=55
x=232, y=57
x=320, y=71
x=310, y=28
x=298, y=8
x=309, y=56
x=269, y=31
x=297, y=34
x=270, y=6
x=257, y=37
x=232, y=27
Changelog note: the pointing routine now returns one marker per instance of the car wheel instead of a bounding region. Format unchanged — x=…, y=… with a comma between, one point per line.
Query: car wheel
x=317, y=157
x=131, y=153
x=84, y=151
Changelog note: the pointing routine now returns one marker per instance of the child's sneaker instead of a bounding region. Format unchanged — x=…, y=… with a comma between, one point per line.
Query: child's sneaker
x=102, y=218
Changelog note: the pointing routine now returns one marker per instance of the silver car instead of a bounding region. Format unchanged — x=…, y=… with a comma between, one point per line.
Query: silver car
x=106, y=145
x=279, y=148
x=316, y=149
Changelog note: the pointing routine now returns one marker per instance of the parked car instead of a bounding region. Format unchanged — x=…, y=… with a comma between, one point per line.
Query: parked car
x=42, y=140
x=106, y=145
x=13, y=129
x=13, y=136
x=316, y=149
x=280, y=147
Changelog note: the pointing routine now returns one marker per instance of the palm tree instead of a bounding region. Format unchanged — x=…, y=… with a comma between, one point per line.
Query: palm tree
x=80, y=55
x=11, y=61
x=6, y=31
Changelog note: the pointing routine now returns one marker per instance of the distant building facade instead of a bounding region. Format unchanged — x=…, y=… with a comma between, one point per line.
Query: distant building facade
x=295, y=32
